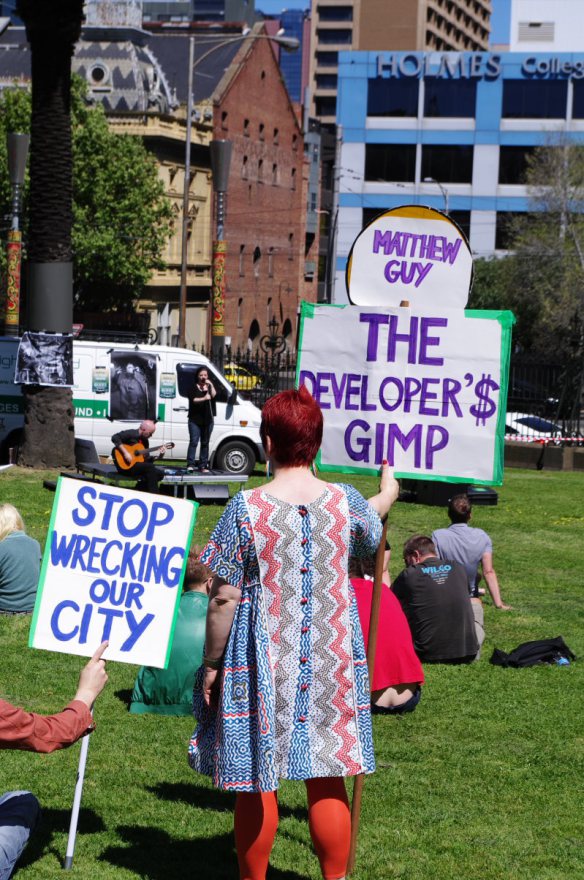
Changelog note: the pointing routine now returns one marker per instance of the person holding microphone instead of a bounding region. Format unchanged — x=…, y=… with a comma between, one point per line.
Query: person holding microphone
x=201, y=413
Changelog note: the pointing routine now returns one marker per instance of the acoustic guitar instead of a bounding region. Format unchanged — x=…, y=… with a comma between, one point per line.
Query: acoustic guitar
x=138, y=452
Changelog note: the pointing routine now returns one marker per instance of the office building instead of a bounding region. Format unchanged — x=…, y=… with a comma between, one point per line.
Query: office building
x=176, y=11
x=448, y=130
x=295, y=65
x=536, y=26
x=387, y=25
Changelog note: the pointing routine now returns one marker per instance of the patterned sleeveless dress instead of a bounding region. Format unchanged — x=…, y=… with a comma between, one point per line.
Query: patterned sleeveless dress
x=294, y=697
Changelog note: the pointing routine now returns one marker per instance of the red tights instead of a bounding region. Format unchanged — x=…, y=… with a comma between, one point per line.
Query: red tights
x=329, y=820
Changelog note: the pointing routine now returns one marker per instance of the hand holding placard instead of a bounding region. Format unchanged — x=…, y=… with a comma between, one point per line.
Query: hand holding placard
x=93, y=678
x=388, y=491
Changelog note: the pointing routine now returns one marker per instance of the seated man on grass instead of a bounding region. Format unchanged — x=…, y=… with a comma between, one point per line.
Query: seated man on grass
x=472, y=548
x=434, y=595
x=20, y=810
x=170, y=691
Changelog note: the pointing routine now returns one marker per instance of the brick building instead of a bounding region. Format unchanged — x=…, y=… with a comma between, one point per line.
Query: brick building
x=269, y=254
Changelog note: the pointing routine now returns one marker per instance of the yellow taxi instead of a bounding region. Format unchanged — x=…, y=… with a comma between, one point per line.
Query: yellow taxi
x=240, y=378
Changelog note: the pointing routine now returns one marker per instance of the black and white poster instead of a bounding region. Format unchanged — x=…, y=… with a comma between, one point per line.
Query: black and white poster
x=133, y=386
x=45, y=359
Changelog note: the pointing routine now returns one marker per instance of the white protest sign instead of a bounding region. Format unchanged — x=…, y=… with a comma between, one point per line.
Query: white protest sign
x=112, y=569
x=410, y=253
x=424, y=390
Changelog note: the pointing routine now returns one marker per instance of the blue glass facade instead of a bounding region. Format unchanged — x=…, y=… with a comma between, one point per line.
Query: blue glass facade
x=448, y=130
x=292, y=20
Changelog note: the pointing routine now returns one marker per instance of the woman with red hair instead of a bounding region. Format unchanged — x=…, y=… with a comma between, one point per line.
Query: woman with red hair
x=285, y=692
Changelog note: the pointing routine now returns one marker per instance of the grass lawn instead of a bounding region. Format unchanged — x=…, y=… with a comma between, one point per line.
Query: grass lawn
x=482, y=782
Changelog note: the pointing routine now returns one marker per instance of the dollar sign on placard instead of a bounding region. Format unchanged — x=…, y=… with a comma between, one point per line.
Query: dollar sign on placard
x=485, y=408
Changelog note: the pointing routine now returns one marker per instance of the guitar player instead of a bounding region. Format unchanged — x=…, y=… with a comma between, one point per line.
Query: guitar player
x=146, y=472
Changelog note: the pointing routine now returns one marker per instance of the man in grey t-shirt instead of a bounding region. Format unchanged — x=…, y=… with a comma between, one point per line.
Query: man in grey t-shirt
x=471, y=547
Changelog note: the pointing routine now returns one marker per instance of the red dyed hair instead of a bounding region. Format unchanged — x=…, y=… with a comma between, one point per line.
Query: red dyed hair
x=293, y=422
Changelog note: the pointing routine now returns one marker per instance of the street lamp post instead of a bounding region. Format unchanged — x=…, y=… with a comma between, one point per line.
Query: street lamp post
x=290, y=44
x=17, y=145
x=220, y=162
x=442, y=189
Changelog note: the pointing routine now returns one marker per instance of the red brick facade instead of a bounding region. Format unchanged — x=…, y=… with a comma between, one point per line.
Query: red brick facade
x=266, y=201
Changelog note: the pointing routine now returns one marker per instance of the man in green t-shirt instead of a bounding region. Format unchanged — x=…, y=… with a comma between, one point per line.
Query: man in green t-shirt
x=170, y=691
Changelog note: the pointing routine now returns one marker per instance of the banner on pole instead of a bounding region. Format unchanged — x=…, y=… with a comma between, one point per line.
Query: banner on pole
x=112, y=569
x=425, y=390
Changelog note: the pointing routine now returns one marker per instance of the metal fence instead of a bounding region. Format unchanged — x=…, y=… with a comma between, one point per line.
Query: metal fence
x=258, y=375
x=545, y=402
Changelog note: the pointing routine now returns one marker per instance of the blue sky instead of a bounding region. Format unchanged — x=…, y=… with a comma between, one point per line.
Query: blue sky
x=273, y=7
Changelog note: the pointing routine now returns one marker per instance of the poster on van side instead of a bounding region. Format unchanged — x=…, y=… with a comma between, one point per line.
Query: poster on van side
x=45, y=359
x=133, y=386
x=100, y=380
x=112, y=569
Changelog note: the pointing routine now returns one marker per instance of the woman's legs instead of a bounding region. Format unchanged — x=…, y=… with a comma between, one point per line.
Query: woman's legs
x=256, y=822
x=329, y=820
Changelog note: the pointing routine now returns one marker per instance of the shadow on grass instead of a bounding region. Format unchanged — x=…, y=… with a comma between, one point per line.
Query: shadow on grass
x=205, y=798
x=124, y=696
x=58, y=821
x=154, y=854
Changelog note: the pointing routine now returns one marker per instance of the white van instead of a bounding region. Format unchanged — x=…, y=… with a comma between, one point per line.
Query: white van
x=117, y=385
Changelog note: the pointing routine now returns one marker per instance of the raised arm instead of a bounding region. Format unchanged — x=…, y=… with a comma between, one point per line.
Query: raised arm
x=388, y=491
x=47, y=733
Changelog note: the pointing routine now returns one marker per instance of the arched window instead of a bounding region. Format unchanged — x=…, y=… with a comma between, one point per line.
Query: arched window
x=256, y=259
x=254, y=331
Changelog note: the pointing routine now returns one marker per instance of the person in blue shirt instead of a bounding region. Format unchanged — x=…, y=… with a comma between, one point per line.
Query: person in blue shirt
x=20, y=562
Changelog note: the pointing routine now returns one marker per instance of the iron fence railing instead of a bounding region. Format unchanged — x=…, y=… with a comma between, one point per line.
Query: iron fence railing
x=256, y=375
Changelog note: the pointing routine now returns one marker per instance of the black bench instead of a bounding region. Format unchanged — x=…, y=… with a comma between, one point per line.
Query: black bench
x=87, y=463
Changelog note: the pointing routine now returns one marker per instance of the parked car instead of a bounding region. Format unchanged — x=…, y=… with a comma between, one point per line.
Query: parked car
x=531, y=429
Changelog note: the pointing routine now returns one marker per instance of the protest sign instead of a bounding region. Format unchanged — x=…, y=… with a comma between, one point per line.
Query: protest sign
x=424, y=390
x=112, y=569
x=410, y=253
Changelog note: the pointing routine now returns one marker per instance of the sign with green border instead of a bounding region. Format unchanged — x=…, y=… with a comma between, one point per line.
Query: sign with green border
x=425, y=390
x=112, y=569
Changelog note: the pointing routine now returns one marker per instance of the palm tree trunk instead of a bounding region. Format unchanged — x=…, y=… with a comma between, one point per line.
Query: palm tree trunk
x=52, y=29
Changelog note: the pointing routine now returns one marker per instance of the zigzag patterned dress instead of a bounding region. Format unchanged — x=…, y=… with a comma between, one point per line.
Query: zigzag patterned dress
x=294, y=699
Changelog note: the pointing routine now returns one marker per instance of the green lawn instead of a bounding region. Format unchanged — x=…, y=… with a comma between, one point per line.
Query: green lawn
x=482, y=782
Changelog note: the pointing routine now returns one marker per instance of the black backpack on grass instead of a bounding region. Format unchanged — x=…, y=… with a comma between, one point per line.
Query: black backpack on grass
x=533, y=653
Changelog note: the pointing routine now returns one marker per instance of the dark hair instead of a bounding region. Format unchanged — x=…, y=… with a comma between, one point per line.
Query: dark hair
x=421, y=544
x=199, y=371
x=361, y=566
x=293, y=422
x=459, y=508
